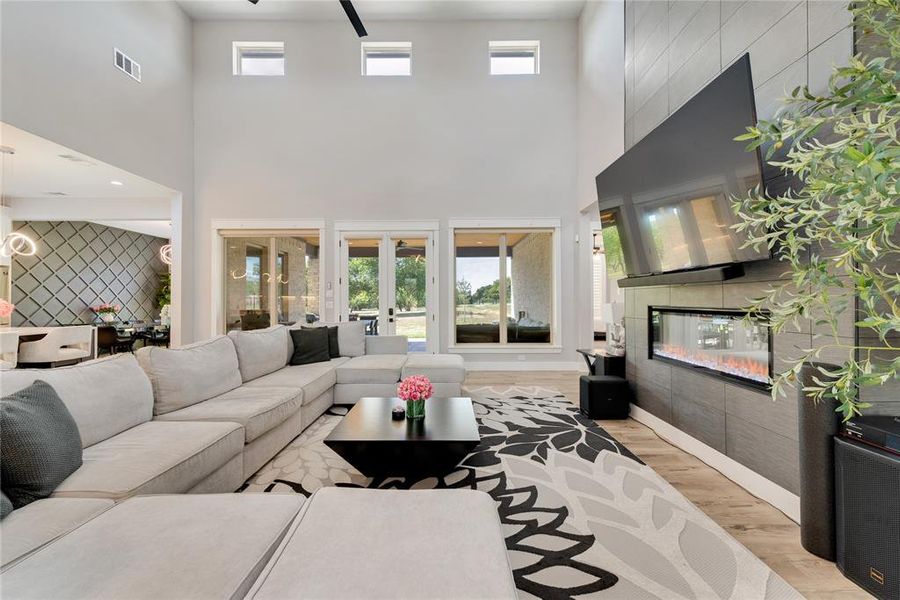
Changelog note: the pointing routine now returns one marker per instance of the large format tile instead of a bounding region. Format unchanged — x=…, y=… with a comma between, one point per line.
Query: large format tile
x=696, y=295
x=769, y=95
x=758, y=407
x=647, y=82
x=749, y=22
x=826, y=18
x=702, y=26
x=773, y=456
x=652, y=113
x=779, y=47
x=681, y=13
x=699, y=421
x=705, y=390
x=655, y=400
x=836, y=51
x=699, y=69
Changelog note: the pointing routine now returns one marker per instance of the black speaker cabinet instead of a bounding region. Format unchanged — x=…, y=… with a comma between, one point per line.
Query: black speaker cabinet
x=604, y=397
x=867, y=490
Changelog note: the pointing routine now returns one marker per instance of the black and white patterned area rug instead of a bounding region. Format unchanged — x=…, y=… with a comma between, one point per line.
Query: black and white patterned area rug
x=583, y=517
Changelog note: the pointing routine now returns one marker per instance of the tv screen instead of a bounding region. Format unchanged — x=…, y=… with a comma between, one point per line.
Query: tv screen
x=666, y=201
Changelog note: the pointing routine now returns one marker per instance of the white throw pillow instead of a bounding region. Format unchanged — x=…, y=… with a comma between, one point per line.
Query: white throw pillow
x=261, y=351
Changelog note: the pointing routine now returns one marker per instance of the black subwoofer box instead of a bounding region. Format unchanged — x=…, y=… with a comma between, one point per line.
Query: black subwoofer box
x=867, y=495
x=604, y=397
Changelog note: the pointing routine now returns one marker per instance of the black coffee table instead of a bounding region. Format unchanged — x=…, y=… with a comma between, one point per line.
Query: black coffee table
x=377, y=446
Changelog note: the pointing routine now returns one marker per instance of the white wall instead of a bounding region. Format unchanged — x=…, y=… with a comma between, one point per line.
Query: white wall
x=601, y=132
x=323, y=142
x=58, y=82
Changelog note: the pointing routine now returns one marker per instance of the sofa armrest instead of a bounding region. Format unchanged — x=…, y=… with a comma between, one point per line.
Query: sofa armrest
x=387, y=344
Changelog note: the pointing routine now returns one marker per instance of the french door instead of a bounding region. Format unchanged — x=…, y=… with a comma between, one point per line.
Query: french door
x=387, y=280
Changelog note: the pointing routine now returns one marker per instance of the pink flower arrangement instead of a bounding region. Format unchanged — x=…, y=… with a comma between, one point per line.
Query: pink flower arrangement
x=6, y=309
x=106, y=308
x=415, y=387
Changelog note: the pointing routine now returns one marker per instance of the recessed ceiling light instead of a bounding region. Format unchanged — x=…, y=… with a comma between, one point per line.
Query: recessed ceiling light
x=115, y=182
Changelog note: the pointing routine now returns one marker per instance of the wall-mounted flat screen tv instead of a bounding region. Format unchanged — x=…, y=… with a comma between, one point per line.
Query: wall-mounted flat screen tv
x=666, y=202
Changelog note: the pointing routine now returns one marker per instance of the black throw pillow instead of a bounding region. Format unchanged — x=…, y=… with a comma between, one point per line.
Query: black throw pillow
x=310, y=345
x=334, y=350
x=40, y=445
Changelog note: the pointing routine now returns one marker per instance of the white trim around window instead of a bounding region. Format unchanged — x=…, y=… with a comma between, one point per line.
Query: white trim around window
x=272, y=227
x=502, y=226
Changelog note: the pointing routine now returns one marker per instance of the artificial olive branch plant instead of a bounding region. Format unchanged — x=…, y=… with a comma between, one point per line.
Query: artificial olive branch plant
x=839, y=230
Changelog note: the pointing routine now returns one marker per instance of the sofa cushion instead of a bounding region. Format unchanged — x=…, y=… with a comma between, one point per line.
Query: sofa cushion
x=32, y=526
x=260, y=351
x=105, y=396
x=439, y=368
x=39, y=444
x=338, y=522
x=387, y=344
x=351, y=337
x=159, y=457
x=375, y=368
x=310, y=345
x=197, y=546
x=257, y=409
x=313, y=379
x=190, y=374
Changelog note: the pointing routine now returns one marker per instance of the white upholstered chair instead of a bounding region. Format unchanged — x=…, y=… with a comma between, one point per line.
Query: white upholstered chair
x=60, y=345
x=9, y=349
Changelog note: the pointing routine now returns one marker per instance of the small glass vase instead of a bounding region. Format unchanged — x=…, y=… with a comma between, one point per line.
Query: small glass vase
x=415, y=409
x=108, y=317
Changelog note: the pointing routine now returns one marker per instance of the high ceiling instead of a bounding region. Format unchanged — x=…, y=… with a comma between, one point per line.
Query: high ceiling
x=384, y=10
x=39, y=168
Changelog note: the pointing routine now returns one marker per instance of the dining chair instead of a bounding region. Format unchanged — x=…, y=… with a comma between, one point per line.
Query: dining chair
x=61, y=345
x=110, y=340
x=9, y=350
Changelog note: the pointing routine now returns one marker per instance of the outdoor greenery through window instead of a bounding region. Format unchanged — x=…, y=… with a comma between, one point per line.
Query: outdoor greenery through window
x=271, y=280
x=504, y=287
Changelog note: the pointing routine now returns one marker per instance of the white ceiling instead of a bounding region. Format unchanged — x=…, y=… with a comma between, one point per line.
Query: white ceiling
x=161, y=229
x=384, y=10
x=38, y=169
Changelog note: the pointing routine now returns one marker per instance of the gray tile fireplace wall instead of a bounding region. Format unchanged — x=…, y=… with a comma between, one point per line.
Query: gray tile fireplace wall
x=79, y=265
x=673, y=49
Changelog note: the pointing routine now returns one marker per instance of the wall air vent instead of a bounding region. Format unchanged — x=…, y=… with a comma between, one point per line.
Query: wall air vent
x=125, y=64
x=76, y=159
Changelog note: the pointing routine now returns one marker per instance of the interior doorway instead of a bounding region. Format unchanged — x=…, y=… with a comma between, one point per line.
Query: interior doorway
x=387, y=279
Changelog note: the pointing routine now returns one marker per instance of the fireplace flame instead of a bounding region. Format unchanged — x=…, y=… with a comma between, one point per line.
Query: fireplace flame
x=740, y=366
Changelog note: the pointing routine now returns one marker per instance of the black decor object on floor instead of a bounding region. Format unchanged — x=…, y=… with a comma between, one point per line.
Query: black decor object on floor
x=604, y=397
x=818, y=424
x=867, y=481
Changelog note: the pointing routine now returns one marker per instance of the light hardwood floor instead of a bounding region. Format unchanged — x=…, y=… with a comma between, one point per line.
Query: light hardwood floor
x=759, y=526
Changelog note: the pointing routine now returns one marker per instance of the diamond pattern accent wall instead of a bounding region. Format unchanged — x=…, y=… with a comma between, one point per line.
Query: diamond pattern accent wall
x=79, y=265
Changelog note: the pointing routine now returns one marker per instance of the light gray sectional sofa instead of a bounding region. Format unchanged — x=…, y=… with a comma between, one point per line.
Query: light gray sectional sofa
x=202, y=419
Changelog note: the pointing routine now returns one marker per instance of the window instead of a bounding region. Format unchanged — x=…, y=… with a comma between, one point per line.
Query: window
x=271, y=279
x=515, y=58
x=505, y=286
x=258, y=58
x=386, y=58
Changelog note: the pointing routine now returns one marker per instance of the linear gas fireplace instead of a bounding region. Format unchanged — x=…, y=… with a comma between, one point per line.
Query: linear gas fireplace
x=712, y=341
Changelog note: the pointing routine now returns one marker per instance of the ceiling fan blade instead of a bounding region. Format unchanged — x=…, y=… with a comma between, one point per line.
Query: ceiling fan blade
x=253, y=1
x=354, y=18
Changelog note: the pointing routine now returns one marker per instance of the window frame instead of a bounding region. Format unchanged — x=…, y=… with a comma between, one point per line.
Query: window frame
x=239, y=48
x=385, y=48
x=222, y=229
x=512, y=46
x=505, y=226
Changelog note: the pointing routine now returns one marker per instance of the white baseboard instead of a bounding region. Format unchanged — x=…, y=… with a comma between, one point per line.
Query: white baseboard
x=785, y=501
x=524, y=365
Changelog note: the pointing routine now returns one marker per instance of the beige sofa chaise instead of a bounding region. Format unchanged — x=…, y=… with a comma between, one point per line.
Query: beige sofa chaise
x=339, y=543
x=200, y=420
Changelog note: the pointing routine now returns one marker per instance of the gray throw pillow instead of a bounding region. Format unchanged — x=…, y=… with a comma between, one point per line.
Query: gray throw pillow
x=6, y=506
x=40, y=445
